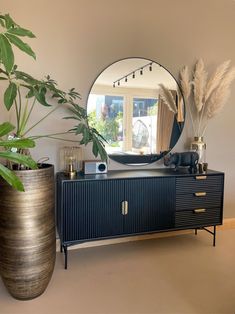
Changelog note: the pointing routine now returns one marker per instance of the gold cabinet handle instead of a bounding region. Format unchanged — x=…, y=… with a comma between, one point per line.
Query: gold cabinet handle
x=199, y=210
x=201, y=177
x=200, y=194
x=124, y=208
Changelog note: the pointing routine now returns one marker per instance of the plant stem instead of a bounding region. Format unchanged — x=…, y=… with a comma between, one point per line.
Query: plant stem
x=22, y=120
x=20, y=105
x=35, y=137
x=33, y=126
x=191, y=118
x=62, y=139
x=17, y=117
x=201, y=114
x=204, y=130
x=30, y=111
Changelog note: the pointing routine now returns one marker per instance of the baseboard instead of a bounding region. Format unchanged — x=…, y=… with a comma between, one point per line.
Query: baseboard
x=228, y=223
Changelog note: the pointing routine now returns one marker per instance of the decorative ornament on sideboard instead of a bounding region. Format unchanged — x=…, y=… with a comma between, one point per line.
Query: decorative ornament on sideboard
x=71, y=160
x=198, y=145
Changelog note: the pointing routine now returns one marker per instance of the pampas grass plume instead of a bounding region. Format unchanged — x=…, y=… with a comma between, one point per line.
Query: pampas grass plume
x=219, y=97
x=209, y=96
x=167, y=97
x=199, y=84
x=185, y=82
x=216, y=78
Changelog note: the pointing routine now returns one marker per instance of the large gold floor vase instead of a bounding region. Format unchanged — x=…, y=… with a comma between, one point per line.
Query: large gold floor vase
x=27, y=233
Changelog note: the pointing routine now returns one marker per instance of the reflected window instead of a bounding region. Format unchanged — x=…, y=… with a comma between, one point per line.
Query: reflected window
x=106, y=115
x=127, y=128
x=144, y=124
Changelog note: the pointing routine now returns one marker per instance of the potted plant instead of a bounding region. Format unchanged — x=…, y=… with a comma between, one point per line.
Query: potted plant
x=27, y=224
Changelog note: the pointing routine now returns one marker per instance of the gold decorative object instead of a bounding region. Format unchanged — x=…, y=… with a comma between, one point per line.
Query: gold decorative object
x=199, y=194
x=71, y=160
x=199, y=146
x=201, y=177
x=27, y=233
x=199, y=210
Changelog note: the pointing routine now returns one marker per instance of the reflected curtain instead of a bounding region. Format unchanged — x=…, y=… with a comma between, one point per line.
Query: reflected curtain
x=165, y=121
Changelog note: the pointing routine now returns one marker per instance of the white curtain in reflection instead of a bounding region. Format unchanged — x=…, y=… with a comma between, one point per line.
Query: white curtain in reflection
x=165, y=121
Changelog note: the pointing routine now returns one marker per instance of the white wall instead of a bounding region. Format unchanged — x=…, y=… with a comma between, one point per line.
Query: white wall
x=76, y=39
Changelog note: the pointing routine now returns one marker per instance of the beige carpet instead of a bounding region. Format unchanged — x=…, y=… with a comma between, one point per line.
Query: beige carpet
x=178, y=274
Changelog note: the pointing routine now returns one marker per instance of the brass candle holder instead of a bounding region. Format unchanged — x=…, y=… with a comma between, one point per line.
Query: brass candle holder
x=71, y=172
x=71, y=160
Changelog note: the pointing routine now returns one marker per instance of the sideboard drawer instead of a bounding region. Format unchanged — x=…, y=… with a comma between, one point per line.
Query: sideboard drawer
x=197, y=218
x=199, y=183
x=198, y=200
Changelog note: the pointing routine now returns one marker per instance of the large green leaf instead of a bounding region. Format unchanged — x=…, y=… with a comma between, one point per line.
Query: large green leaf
x=86, y=136
x=6, y=128
x=7, y=55
x=10, y=95
x=2, y=21
x=80, y=128
x=19, y=159
x=31, y=91
x=11, y=178
x=95, y=149
x=41, y=98
x=26, y=77
x=18, y=143
x=19, y=31
x=20, y=44
x=9, y=21
x=98, y=148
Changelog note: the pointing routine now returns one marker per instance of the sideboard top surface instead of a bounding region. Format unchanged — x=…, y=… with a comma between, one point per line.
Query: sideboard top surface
x=128, y=174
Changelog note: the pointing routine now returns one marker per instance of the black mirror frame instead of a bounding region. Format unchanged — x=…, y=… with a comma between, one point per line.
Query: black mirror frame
x=147, y=158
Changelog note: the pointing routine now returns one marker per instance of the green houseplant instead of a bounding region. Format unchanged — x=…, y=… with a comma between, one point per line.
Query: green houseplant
x=27, y=222
x=23, y=92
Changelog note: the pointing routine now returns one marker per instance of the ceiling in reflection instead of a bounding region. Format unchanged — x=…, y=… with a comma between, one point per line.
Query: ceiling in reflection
x=149, y=79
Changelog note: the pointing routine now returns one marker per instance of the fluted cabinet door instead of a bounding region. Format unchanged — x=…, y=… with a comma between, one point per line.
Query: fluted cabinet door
x=151, y=204
x=92, y=209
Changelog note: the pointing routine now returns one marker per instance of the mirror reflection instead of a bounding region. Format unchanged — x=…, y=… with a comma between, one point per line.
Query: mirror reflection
x=136, y=105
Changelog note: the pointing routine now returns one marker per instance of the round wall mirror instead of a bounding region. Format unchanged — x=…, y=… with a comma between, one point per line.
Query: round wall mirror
x=136, y=105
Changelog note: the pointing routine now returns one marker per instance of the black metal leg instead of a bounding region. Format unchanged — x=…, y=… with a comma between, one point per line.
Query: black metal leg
x=65, y=257
x=211, y=232
x=214, y=236
x=61, y=248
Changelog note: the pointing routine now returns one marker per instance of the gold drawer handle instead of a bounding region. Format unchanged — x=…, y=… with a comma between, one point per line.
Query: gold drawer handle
x=200, y=194
x=199, y=210
x=124, y=208
x=201, y=177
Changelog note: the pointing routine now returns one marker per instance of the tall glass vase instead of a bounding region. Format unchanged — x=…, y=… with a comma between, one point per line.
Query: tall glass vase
x=199, y=146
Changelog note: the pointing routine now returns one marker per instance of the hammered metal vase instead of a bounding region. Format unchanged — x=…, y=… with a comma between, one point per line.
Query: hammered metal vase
x=27, y=233
x=199, y=146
